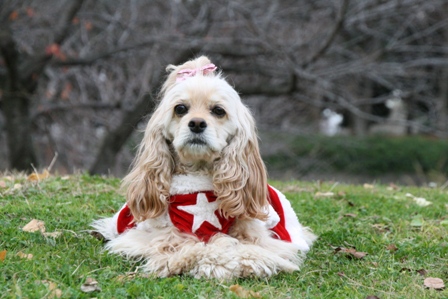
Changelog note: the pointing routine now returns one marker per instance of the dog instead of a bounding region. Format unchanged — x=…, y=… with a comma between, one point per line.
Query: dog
x=198, y=201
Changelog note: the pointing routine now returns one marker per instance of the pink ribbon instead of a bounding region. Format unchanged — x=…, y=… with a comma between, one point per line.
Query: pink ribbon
x=187, y=73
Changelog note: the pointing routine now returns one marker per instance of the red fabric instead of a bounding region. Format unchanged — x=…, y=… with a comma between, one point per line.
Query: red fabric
x=280, y=229
x=125, y=220
x=184, y=220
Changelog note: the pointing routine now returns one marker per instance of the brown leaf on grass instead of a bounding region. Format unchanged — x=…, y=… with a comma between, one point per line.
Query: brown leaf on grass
x=52, y=287
x=341, y=194
x=324, y=194
x=381, y=227
x=392, y=248
x=3, y=255
x=422, y=272
x=372, y=297
x=34, y=225
x=350, y=215
x=434, y=283
x=91, y=285
x=36, y=177
x=56, y=293
x=243, y=293
x=392, y=187
x=97, y=236
x=341, y=274
x=24, y=255
x=368, y=186
x=351, y=252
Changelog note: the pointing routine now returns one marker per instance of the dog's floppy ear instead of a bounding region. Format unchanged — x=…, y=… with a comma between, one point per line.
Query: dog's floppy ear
x=148, y=183
x=240, y=178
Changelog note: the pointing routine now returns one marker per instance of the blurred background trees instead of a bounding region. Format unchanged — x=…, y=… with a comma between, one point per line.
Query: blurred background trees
x=79, y=77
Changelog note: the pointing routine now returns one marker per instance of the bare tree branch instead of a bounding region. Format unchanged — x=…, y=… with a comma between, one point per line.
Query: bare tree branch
x=331, y=37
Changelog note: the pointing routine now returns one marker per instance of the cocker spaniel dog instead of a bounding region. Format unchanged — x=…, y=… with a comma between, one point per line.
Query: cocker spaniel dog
x=198, y=201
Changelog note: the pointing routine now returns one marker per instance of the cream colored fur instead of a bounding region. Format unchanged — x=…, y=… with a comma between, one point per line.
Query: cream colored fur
x=226, y=161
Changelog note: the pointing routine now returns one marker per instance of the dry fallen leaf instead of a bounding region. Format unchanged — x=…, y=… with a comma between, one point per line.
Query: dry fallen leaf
x=381, y=227
x=52, y=287
x=434, y=283
x=34, y=225
x=56, y=293
x=24, y=255
x=3, y=255
x=17, y=186
x=243, y=293
x=350, y=215
x=351, y=252
x=368, y=186
x=422, y=272
x=372, y=297
x=324, y=194
x=392, y=248
x=419, y=200
x=392, y=187
x=35, y=176
x=91, y=285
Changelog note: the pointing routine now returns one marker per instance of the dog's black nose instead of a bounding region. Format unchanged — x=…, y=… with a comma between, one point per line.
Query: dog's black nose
x=197, y=125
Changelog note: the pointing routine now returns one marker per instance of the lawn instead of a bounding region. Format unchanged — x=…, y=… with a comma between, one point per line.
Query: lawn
x=374, y=240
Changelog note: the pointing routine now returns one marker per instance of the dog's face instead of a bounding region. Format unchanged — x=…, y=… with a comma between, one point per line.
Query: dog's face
x=203, y=119
x=200, y=124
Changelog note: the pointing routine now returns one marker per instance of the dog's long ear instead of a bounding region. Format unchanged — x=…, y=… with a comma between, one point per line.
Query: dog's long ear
x=148, y=182
x=240, y=178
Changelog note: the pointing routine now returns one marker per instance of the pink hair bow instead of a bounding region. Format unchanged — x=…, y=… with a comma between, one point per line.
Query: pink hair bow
x=186, y=73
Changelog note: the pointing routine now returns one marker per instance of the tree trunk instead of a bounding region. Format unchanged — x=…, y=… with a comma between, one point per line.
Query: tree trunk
x=442, y=105
x=115, y=139
x=16, y=108
x=18, y=129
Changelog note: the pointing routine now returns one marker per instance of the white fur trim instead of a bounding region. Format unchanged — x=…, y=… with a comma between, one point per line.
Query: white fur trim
x=273, y=218
x=187, y=184
x=106, y=227
x=299, y=235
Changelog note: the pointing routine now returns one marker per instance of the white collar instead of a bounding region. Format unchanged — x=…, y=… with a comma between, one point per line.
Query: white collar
x=188, y=183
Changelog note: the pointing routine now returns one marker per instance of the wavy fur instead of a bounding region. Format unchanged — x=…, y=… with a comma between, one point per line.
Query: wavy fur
x=225, y=157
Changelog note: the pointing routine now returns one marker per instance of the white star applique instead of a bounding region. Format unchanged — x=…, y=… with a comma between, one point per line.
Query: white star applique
x=202, y=211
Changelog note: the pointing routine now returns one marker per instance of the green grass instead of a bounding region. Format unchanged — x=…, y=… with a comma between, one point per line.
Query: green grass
x=369, y=219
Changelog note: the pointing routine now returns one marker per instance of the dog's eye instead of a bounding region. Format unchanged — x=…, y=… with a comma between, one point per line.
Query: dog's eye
x=218, y=111
x=180, y=110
